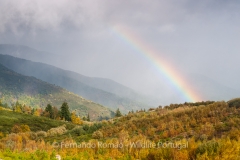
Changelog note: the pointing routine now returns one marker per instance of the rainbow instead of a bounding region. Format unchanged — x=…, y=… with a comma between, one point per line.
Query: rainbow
x=163, y=68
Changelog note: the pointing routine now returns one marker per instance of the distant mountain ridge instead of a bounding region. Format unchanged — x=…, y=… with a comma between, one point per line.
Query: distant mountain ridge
x=100, y=90
x=36, y=93
x=105, y=91
x=25, y=52
x=212, y=89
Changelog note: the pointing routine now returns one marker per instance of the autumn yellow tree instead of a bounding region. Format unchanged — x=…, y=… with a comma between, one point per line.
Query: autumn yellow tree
x=25, y=128
x=75, y=119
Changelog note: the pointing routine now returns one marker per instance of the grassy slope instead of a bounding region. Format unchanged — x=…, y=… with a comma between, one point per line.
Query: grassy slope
x=8, y=119
x=36, y=93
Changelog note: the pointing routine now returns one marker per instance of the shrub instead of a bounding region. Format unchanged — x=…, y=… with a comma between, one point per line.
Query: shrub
x=79, y=131
x=16, y=129
x=33, y=135
x=19, y=129
x=86, y=127
x=41, y=134
x=97, y=135
x=1, y=135
x=234, y=103
x=211, y=147
x=57, y=131
x=25, y=128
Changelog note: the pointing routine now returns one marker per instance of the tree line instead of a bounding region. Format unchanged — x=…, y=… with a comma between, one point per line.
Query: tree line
x=52, y=112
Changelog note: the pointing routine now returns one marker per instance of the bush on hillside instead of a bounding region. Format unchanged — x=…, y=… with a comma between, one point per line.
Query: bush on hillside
x=57, y=131
x=234, y=103
x=41, y=134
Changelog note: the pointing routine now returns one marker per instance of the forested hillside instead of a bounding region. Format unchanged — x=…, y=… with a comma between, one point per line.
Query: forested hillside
x=36, y=93
x=202, y=130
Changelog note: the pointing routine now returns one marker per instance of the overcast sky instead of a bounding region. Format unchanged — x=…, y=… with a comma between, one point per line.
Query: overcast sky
x=200, y=37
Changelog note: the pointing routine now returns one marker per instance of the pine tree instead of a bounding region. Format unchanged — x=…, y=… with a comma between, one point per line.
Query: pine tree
x=32, y=111
x=118, y=113
x=17, y=107
x=65, y=113
x=88, y=117
x=49, y=109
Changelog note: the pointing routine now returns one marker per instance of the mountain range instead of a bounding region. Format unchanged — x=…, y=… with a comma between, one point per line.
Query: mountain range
x=29, y=62
x=100, y=90
x=36, y=93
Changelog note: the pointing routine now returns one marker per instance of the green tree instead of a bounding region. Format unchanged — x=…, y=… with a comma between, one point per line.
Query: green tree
x=88, y=117
x=49, y=109
x=65, y=113
x=17, y=107
x=32, y=111
x=118, y=113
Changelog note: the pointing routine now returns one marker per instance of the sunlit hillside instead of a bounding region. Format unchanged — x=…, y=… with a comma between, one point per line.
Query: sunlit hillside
x=203, y=130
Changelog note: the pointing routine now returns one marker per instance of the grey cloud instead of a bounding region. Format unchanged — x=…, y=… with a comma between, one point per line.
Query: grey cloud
x=193, y=36
x=45, y=15
x=57, y=14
